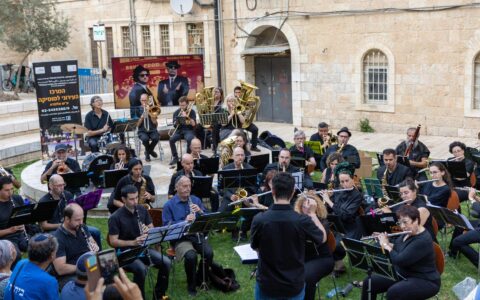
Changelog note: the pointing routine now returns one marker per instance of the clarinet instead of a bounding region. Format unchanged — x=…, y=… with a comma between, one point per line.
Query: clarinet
x=24, y=230
x=141, y=227
x=91, y=246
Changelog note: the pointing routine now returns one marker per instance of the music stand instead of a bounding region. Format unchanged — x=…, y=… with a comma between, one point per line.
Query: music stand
x=30, y=213
x=373, y=187
x=169, y=232
x=371, y=259
x=259, y=162
x=238, y=178
x=473, y=154
x=111, y=177
x=457, y=169
x=214, y=118
x=201, y=186
x=88, y=201
x=209, y=165
x=124, y=125
x=75, y=180
x=128, y=256
x=298, y=162
x=275, y=154
x=385, y=222
x=298, y=176
x=202, y=225
x=244, y=214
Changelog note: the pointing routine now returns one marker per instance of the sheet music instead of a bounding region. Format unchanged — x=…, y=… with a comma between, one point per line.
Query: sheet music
x=453, y=214
x=246, y=253
x=298, y=180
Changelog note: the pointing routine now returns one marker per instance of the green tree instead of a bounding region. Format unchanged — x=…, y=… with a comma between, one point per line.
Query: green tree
x=27, y=26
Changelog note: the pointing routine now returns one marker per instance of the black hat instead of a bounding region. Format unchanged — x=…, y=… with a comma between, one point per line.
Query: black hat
x=173, y=64
x=344, y=129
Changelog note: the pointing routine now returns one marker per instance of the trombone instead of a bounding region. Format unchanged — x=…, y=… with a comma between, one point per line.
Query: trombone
x=172, y=131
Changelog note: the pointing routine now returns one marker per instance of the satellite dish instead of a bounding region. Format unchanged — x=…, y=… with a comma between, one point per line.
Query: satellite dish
x=181, y=7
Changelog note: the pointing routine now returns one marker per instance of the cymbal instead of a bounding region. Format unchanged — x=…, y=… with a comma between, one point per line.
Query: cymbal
x=71, y=127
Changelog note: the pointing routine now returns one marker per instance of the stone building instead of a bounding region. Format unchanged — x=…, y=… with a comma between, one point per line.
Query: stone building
x=398, y=63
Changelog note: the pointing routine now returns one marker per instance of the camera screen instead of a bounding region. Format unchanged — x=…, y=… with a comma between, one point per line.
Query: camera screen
x=108, y=264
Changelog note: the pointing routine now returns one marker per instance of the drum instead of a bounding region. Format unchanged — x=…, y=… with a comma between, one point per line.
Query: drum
x=95, y=164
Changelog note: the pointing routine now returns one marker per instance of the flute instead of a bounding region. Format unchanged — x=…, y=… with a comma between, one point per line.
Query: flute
x=379, y=210
x=335, y=191
x=371, y=237
x=249, y=197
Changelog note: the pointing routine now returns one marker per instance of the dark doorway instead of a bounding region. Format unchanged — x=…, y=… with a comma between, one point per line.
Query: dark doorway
x=274, y=81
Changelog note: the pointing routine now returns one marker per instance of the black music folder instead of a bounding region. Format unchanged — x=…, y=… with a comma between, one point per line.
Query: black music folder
x=209, y=165
x=111, y=177
x=238, y=178
x=75, y=180
x=384, y=222
x=456, y=169
x=201, y=186
x=260, y=161
x=30, y=213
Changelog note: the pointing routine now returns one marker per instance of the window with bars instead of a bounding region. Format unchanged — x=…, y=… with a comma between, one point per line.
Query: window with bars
x=126, y=41
x=93, y=49
x=375, y=79
x=476, y=83
x=109, y=42
x=147, y=48
x=164, y=39
x=195, y=38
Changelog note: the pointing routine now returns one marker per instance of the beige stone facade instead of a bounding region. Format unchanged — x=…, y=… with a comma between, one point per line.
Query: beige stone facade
x=429, y=45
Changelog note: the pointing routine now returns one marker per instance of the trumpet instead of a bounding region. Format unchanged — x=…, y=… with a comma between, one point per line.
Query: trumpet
x=120, y=165
x=248, y=197
x=372, y=237
x=62, y=167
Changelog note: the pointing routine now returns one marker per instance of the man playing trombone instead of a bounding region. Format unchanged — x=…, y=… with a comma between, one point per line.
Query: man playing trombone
x=147, y=128
x=183, y=129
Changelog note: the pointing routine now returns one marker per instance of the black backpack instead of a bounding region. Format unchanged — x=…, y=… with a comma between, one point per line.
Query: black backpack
x=222, y=279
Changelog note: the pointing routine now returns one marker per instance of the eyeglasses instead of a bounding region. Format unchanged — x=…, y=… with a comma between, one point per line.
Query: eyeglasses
x=143, y=75
x=343, y=136
x=172, y=68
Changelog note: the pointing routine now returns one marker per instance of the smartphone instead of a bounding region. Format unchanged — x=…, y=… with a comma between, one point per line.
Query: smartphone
x=93, y=272
x=108, y=263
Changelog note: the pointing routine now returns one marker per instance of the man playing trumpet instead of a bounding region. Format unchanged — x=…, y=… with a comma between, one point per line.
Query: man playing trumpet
x=61, y=165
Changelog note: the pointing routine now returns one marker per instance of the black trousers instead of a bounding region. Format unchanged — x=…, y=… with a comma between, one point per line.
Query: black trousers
x=462, y=243
x=149, y=140
x=92, y=142
x=189, y=135
x=194, y=276
x=315, y=270
x=409, y=289
x=139, y=270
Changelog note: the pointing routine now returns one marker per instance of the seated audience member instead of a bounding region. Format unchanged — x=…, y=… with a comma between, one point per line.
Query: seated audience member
x=74, y=290
x=7, y=257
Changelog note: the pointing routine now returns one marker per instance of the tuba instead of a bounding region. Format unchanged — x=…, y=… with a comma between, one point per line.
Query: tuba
x=204, y=101
x=248, y=103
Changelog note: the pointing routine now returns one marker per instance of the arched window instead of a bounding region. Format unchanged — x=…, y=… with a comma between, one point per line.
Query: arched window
x=375, y=79
x=476, y=83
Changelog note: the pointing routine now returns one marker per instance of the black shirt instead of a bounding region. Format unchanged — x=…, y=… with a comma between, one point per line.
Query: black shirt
x=317, y=138
x=349, y=153
x=313, y=250
x=436, y=195
x=398, y=175
x=469, y=167
x=70, y=162
x=127, y=179
x=151, y=124
x=420, y=202
x=418, y=152
x=5, y=212
x=125, y=224
x=192, y=115
x=279, y=235
x=415, y=257
x=71, y=246
x=57, y=216
x=93, y=122
x=306, y=154
x=307, y=180
x=345, y=206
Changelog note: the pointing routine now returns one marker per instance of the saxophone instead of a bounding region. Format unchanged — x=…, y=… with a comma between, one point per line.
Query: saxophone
x=382, y=202
x=340, y=149
x=141, y=194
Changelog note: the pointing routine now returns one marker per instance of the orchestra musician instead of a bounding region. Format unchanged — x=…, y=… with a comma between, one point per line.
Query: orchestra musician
x=318, y=259
x=328, y=175
x=418, y=156
x=458, y=151
x=283, y=165
x=408, y=192
x=345, y=205
x=322, y=136
x=218, y=98
x=15, y=234
x=127, y=229
x=186, y=207
x=141, y=76
x=187, y=170
x=196, y=149
x=393, y=171
x=235, y=121
x=121, y=157
x=57, y=192
x=461, y=242
x=135, y=177
x=413, y=258
x=438, y=192
x=74, y=239
x=98, y=122
x=61, y=165
x=8, y=172
x=182, y=131
x=172, y=89
x=300, y=150
x=265, y=201
x=349, y=152
x=147, y=129
x=281, y=248
x=237, y=138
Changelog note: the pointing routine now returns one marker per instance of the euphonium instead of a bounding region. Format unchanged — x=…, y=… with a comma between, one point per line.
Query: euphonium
x=248, y=103
x=205, y=101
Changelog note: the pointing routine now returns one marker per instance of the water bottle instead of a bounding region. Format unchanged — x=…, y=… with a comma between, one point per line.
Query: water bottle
x=332, y=293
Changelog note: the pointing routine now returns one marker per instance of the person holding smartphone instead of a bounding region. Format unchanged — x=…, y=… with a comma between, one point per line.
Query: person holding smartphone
x=127, y=229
